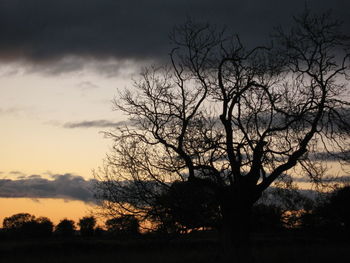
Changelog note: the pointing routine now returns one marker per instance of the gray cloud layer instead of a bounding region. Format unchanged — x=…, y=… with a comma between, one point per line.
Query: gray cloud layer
x=96, y=124
x=336, y=179
x=65, y=186
x=45, y=31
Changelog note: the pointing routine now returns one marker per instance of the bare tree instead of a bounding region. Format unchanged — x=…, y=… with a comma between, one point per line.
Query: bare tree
x=231, y=120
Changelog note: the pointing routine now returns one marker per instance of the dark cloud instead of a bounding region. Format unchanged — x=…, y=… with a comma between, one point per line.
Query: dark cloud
x=46, y=31
x=331, y=156
x=109, y=67
x=65, y=186
x=70, y=187
x=96, y=124
x=16, y=173
x=344, y=178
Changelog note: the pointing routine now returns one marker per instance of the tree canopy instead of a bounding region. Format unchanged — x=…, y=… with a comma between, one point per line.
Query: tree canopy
x=231, y=119
x=65, y=228
x=228, y=116
x=87, y=225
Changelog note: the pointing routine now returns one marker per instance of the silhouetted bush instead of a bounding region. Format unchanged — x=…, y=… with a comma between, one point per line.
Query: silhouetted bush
x=330, y=215
x=184, y=206
x=99, y=231
x=339, y=208
x=267, y=217
x=124, y=225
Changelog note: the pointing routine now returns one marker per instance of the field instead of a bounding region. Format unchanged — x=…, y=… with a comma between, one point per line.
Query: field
x=266, y=249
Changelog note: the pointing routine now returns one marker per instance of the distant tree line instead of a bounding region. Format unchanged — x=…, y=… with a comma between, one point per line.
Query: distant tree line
x=25, y=225
x=328, y=214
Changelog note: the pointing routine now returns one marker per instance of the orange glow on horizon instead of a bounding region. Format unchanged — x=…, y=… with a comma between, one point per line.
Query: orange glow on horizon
x=54, y=209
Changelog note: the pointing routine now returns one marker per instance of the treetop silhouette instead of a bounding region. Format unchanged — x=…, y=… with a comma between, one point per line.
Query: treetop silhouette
x=231, y=120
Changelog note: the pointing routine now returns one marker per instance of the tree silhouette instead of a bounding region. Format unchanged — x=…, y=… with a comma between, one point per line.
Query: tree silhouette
x=231, y=119
x=17, y=221
x=65, y=228
x=21, y=224
x=87, y=225
x=26, y=225
x=40, y=227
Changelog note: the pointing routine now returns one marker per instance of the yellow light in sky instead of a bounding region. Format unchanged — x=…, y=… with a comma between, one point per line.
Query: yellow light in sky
x=34, y=108
x=33, y=148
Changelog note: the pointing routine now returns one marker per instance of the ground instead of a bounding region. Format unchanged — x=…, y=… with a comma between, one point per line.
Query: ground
x=269, y=248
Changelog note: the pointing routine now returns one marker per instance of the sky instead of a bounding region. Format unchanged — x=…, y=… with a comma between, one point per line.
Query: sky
x=63, y=61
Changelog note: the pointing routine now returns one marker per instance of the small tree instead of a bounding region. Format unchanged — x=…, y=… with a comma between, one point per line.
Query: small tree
x=16, y=222
x=65, y=228
x=27, y=225
x=231, y=119
x=87, y=225
x=40, y=227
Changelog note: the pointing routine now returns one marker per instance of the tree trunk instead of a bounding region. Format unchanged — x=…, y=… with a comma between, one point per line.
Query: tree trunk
x=236, y=229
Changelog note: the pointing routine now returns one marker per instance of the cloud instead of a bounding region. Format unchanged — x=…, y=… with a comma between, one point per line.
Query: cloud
x=70, y=63
x=331, y=156
x=65, y=186
x=327, y=179
x=16, y=173
x=42, y=32
x=96, y=124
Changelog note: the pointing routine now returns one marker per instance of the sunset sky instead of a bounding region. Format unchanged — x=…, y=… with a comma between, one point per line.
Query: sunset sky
x=61, y=64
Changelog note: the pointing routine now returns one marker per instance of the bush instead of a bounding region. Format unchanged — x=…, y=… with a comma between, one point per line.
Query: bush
x=123, y=225
x=267, y=217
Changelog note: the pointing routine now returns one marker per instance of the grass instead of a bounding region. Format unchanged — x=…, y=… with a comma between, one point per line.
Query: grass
x=104, y=251
x=266, y=249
